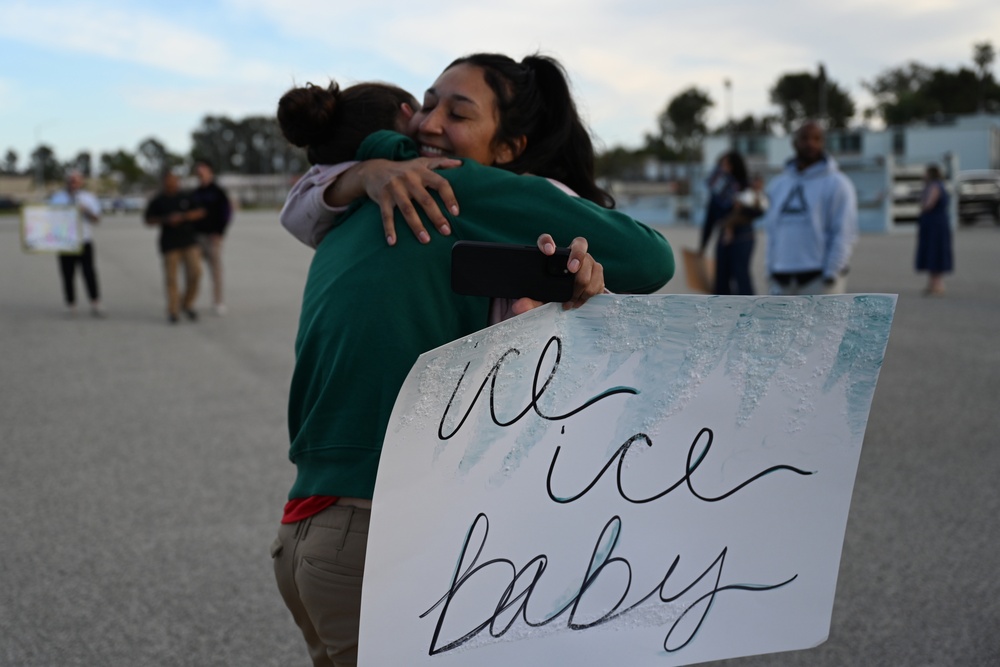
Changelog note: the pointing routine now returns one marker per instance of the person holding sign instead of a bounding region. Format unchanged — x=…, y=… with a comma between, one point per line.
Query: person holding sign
x=369, y=310
x=89, y=210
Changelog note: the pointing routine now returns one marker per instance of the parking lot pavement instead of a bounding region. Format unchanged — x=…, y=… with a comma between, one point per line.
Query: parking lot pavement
x=143, y=466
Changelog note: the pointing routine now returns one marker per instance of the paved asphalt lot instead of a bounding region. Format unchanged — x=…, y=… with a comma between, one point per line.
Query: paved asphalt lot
x=143, y=468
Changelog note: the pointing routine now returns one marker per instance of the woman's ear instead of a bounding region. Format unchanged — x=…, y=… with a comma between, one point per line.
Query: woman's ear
x=403, y=118
x=509, y=151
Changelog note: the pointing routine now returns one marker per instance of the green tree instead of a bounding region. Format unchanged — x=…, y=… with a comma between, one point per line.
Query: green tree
x=621, y=163
x=10, y=162
x=983, y=56
x=253, y=145
x=655, y=145
x=154, y=158
x=900, y=94
x=803, y=95
x=45, y=166
x=214, y=140
x=82, y=163
x=123, y=168
x=750, y=124
x=682, y=124
x=915, y=92
x=960, y=92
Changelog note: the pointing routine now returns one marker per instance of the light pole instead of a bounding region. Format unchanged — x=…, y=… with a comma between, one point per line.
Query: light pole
x=728, y=84
x=730, y=126
x=822, y=93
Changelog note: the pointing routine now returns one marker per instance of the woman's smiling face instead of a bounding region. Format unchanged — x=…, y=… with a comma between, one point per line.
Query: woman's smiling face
x=459, y=118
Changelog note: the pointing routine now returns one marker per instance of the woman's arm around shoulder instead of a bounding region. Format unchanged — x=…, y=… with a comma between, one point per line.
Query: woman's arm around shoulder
x=637, y=259
x=305, y=214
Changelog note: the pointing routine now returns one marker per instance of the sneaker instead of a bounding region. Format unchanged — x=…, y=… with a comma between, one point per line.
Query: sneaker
x=97, y=310
x=191, y=314
x=173, y=319
x=71, y=309
x=219, y=309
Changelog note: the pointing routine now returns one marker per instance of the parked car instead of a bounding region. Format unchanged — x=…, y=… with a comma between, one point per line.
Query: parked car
x=978, y=194
x=9, y=203
x=907, y=191
x=131, y=204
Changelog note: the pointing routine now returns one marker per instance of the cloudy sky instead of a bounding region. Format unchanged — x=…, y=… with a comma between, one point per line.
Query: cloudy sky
x=101, y=75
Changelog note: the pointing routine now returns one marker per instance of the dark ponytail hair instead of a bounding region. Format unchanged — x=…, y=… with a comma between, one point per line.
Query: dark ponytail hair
x=738, y=169
x=534, y=101
x=331, y=123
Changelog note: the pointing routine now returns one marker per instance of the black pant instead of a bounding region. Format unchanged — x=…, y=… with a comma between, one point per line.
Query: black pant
x=732, y=265
x=67, y=267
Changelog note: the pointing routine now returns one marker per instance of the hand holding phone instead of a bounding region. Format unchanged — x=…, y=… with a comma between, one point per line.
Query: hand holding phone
x=502, y=270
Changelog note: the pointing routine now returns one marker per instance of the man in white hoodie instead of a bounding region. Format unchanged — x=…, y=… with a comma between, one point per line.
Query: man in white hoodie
x=812, y=223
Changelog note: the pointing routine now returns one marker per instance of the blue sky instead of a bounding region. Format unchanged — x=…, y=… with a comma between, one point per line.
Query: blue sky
x=100, y=75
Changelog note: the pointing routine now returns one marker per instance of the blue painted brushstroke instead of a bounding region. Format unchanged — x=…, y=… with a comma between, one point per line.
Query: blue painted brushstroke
x=860, y=355
x=672, y=344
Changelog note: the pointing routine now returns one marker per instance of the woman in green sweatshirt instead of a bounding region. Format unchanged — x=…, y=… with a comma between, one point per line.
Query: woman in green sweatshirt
x=369, y=309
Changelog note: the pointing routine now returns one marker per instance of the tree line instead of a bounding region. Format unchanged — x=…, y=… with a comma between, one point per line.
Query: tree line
x=903, y=94
x=254, y=145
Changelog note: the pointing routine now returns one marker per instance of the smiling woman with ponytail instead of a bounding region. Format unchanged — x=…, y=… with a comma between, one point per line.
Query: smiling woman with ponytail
x=534, y=102
x=534, y=128
x=506, y=136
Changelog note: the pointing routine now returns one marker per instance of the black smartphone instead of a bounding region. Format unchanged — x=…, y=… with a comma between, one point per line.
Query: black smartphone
x=504, y=270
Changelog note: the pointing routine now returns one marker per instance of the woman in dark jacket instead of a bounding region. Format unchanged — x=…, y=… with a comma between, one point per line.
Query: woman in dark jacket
x=734, y=244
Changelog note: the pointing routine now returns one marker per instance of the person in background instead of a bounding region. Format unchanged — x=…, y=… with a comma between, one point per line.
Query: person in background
x=812, y=223
x=934, y=253
x=736, y=240
x=89, y=209
x=211, y=228
x=733, y=220
x=174, y=213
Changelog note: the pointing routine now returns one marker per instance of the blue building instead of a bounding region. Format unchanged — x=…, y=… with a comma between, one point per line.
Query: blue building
x=886, y=166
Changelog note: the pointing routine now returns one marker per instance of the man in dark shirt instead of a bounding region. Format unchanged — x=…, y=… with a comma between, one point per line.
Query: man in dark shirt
x=174, y=213
x=211, y=228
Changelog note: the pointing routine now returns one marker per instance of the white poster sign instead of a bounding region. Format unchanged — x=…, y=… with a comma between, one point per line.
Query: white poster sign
x=51, y=229
x=659, y=480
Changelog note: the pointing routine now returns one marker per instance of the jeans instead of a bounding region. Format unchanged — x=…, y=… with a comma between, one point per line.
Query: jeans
x=732, y=264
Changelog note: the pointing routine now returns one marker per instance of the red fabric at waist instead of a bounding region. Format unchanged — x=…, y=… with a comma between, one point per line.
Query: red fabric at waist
x=297, y=509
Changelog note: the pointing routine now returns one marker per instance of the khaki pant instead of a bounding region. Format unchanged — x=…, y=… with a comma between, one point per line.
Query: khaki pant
x=190, y=257
x=319, y=563
x=211, y=250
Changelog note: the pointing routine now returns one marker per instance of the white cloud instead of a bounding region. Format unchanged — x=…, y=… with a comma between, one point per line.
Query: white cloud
x=112, y=33
x=235, y=100
x=626, y=58
x=126, y=35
